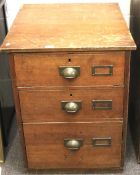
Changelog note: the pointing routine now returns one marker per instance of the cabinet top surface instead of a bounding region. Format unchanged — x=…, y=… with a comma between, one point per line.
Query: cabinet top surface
x=68, y=27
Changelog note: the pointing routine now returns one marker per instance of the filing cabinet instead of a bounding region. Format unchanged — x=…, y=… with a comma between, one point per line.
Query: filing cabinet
x=70, y=71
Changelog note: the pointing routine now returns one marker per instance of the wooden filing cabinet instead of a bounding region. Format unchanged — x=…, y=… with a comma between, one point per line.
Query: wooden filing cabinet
x=70, y=70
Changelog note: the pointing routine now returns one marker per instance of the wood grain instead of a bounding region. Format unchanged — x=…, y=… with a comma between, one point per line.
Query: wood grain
x=45, y=105
x=82, y=35
x=17, y=107
x=68, y=27
x=125, y=104
x=45, y=145
x=43, y=69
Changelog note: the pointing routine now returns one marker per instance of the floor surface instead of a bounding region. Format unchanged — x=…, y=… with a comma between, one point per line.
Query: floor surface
x=14, y=164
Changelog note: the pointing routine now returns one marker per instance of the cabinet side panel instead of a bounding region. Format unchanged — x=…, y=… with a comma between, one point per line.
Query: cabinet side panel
x=17, y=105
x=126, y=99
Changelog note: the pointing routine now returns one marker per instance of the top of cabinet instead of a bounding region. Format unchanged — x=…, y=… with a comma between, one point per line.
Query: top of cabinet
x=68, y=27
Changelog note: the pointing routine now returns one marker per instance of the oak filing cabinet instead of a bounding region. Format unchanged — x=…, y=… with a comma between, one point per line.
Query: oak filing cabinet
x=70, y=70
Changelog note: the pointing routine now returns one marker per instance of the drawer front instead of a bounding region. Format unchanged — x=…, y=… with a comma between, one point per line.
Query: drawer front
x=69, y=69
x=58, y=105
x=79, y=145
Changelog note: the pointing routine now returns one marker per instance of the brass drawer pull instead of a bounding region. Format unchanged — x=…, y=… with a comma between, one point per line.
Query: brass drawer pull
x=102, y=104
x=73, y=144
x=69, y=72
x=102, y=142
x=106, y=70
x=71, y=106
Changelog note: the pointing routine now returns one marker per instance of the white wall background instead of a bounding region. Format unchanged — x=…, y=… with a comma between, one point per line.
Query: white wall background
x=13, y=6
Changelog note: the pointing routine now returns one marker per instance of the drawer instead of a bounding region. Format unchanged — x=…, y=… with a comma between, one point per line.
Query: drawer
x=69, y=145
x=71, y=105
x=69, y=69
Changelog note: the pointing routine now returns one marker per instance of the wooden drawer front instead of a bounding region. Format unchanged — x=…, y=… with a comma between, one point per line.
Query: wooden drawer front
x=43, y=69
x=45, y=145
x=49, y=105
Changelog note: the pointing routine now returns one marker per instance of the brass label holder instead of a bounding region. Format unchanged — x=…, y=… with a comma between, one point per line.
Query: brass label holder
x=102, y=104
x=108, y=67
x=102, y=142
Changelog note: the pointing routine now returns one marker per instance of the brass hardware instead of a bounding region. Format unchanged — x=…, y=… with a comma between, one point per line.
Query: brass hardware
x=71, y=106
x=102, y=142
x=102, y=104
x=73, y=144
x=69, y=72
x=109, y=67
